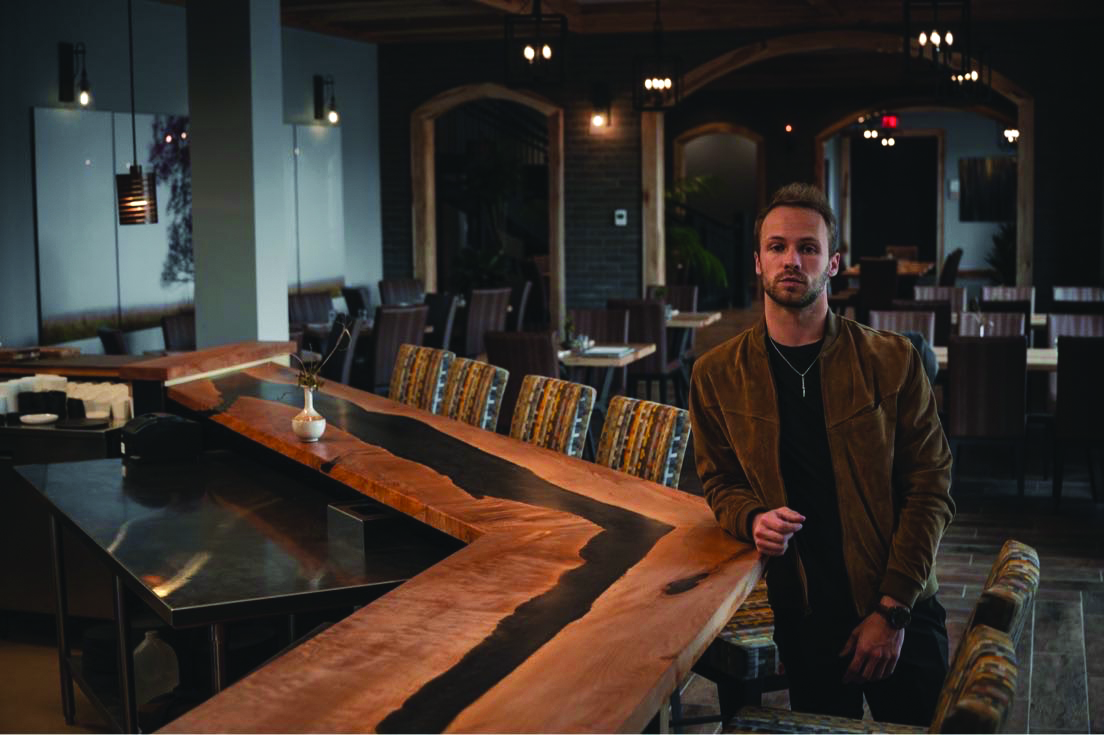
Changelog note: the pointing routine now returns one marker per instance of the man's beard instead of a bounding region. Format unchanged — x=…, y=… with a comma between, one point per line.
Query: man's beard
x=795, y=300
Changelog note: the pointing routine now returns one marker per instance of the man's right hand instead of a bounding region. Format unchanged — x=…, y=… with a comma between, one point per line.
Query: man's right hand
x=772, y=530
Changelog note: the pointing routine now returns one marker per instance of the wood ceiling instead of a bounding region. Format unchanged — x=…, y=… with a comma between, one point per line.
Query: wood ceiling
x=384, y=21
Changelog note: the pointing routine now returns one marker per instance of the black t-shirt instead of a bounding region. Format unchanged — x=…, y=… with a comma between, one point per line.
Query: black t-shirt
x=806, y=464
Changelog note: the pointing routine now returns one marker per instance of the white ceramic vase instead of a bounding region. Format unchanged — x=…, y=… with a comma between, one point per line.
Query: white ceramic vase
x=308, y=424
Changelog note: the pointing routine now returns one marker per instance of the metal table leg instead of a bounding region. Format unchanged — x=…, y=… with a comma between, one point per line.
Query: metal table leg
x=218, y=656
x=67, y=706
x=126, y=658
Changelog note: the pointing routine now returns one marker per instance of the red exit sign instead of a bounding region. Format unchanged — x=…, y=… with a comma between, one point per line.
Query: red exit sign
x=889, y=121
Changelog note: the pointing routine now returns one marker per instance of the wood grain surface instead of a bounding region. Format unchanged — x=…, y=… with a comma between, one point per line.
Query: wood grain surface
x=907, y=268
x=582, y=598
x=183, y=364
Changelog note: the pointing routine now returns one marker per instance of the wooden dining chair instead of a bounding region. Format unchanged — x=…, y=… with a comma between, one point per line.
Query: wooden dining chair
x=419, y=376
x=179, y=331
x=683, y=297
x=987, y=395
x=113, y=340
x=902, y=252
x=644, y=439
x=519, y=302
x=358, y=300
x=948, y=274
x=877, y=286
x=1077, y=411
x=392, y=327
x=648, y=325
x=473, y=392
x=940, y=309
x=1069, y=325
x=954, y=295
x=1078, y=293
x=442, y=317
x=553, y=414
x=1010, y=293
x=521, y=353
x=604, y=326
x=401, y=291
x=486, y=312
x=905, y=321
x=996, y=324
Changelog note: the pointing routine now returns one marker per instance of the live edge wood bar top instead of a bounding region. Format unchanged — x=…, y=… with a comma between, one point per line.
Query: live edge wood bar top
x=582, y=598
x=208, y=360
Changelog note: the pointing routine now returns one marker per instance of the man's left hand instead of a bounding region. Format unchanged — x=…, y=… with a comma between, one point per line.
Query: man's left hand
x=874, y=647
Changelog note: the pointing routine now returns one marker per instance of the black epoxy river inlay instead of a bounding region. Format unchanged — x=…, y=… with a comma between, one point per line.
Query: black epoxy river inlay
x=625, y=538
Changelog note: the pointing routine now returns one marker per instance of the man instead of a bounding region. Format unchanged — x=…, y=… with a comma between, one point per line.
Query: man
x=817, y=439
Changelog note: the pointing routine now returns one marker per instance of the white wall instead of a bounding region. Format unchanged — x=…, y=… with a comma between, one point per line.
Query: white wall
x=28, y=78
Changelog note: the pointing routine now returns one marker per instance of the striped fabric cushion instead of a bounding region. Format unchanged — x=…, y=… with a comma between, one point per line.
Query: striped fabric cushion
x=745, y=649
x=644, y=439
x=419, y=376
x=553, y=413
x=1009, y=592
x=981, y=684
x=775, y=719
x=473, y=392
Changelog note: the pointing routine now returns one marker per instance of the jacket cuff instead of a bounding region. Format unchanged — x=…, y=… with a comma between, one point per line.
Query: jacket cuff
x=742, y=520
x=900, y=587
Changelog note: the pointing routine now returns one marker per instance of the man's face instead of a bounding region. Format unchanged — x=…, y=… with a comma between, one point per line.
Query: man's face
x=793, y=262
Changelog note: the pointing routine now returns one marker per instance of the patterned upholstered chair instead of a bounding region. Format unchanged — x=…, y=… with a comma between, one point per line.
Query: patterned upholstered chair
x=955, y=295
x=905, y=321
x=997, y=324
x=644, y=439
x=994, y=627
x=473, y=393
x=553, y=414
x=419, y=376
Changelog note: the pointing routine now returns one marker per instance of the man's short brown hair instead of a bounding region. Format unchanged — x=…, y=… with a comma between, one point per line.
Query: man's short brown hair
x=805, y=196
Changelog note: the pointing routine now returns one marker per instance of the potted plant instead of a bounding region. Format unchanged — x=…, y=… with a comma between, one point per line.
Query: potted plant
x=688, y=260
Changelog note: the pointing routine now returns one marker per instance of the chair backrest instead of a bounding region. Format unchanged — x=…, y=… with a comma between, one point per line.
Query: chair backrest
x=1009, y=592
x=647, y=324
x=941, y=310
x=521, y=353
x=1009, y=293
x=401, y=291
x=113, y=340
x=903, y=252
x=358, y=300
x=980, y=686
x=392, y=327
x=553, y=414
x=348, y=358
x=877, y=283
x=419, y=376
x=681, y=297
x=987, y=387
x=179, y=331
x=1080, y=392
x=905, y=321
x=313, y=307
x=644, y=439
x=954, y=295
x=519, y=302
x=1070, y=325
x=601, y=325
x=442, y=317
x=486, y=313
x=996, y=324
x=1078, y=293
x=333, y=368
x=473, y=393
x=948, y=275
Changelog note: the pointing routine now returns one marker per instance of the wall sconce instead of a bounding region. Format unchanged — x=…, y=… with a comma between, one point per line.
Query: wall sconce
x=601, y=104
x=534, y=48
x=69, y=56
x=324, y=110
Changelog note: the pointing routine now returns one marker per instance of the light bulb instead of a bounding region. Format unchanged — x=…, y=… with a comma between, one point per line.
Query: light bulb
x=885, y=142
x=935, y=38
x=893, y=141
x=861, y=119
x=530, y=53
x=184, y=135
x=789, y=128
x=598, y=120
x=973, y=75
x=168, y=138
x=923, y=40
x=647, y=84
x=873, y=133
x=332, y=116
x=949, y=38
x=546, y=51
x=85, y=98
x=667, y=83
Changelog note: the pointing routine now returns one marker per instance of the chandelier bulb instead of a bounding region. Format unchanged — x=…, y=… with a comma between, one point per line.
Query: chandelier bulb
x=923, y=40
x=892, y=141
x=974, y=75
x=598, y=120
x=667, y=83
x=935, y=38
x=546, y=51
x=530, y=53
x=949, y=38
x=85, y=98
x=873, y=133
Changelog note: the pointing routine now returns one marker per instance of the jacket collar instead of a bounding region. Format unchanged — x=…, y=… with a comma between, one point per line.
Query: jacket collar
x=831, y=332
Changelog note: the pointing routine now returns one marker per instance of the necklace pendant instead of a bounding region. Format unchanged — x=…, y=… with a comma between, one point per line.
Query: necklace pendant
x=802, y=386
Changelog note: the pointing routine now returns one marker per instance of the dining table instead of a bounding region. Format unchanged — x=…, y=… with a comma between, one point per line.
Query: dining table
x=905, y=269
x=1039, y=359
x=580, y=599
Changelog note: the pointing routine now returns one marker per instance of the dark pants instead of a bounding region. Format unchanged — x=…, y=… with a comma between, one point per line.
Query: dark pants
x=810, y=647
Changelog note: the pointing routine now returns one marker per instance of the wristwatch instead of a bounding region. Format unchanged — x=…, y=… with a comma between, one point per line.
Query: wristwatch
x=898, y=616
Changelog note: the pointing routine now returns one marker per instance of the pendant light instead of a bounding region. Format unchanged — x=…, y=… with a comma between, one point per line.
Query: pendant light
x=136, y=193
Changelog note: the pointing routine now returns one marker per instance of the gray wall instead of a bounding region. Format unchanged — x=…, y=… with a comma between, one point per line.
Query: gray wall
x=29, y=35
x=732, y=160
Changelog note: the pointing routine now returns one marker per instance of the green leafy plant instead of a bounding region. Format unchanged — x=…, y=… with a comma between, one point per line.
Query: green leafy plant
x=1002, y=256
x=688, y=260
x=309, y=374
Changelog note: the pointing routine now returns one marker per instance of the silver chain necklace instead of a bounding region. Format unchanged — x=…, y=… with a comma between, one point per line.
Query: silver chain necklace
x=788, y=364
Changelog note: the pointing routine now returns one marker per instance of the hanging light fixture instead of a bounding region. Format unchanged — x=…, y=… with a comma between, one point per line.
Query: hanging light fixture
x=136, y=193
x=942, y=44
x=71, y=68
x=323, y=109
x=534, y=47
x=657, y=79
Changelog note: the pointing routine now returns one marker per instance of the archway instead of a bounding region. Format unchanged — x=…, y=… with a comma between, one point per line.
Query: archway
x=885, y=43
x=423, y=181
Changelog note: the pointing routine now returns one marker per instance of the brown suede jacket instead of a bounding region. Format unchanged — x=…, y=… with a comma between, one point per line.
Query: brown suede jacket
x=890, y=458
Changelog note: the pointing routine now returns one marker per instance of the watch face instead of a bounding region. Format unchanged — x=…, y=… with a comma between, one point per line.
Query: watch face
x=899, y=617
